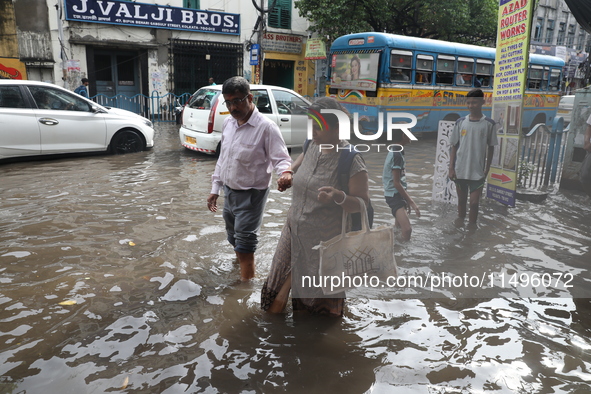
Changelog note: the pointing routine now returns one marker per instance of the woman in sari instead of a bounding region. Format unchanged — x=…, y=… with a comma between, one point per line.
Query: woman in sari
x=315, y=215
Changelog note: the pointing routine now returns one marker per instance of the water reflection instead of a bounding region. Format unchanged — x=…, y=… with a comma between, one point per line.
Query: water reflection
x=155, y=306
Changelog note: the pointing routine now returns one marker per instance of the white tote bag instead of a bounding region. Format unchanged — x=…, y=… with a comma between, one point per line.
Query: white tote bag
x=358, y=258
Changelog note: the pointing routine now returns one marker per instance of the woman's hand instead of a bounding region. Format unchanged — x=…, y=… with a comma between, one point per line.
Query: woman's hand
x=328, y=194
x=285, y=181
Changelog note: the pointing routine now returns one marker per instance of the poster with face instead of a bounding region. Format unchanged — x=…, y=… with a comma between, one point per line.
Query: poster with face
x=355, y=71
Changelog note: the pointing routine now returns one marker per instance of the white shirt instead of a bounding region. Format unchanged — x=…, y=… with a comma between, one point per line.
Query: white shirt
x=249, y=154
x=472, y=137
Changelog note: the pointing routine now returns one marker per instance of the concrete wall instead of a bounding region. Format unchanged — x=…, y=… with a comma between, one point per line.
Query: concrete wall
x=574, y=152
x=32, y=21
x=9, y=41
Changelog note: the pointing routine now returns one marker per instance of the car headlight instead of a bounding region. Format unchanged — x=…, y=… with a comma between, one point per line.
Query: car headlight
x=148, y=123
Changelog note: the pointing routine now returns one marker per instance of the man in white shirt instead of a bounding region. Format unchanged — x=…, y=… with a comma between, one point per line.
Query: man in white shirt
x=252, y=147
x=473, y=140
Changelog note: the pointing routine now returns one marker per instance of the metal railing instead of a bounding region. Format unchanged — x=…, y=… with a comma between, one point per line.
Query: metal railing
x=155, y=107
x=542, y=155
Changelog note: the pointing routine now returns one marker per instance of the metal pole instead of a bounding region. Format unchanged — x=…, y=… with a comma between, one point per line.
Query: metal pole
x=260, y=42
x=60, y=29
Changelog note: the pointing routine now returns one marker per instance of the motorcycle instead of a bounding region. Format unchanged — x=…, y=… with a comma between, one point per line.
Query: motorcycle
x=178, y=111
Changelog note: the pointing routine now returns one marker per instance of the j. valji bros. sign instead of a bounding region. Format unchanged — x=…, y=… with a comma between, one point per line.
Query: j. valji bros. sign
x=151, y=15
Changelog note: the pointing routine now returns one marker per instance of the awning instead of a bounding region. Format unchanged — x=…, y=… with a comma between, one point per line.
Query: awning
x=581, y=9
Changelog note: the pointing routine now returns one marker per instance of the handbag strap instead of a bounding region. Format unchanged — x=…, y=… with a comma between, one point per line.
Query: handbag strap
x=364, y=219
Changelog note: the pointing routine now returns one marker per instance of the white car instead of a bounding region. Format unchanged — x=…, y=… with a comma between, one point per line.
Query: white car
x=565, y=108
x=38, y=118
x=204, y=114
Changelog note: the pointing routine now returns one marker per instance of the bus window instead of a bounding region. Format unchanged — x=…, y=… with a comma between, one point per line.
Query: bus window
x=545, y=77
x=445, y=70
x=554, y=79
x=534, y=77
x=484, y=71
x=424, y=70
x=465, y=72
x=400, y=66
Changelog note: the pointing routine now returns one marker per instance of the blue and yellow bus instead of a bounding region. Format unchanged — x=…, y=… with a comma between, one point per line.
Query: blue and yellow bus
x=373, y=73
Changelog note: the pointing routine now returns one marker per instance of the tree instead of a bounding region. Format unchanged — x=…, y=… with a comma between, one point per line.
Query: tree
x=468, y=21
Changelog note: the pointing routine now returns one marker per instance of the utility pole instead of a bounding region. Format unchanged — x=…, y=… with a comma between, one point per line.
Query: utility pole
x=262, y=26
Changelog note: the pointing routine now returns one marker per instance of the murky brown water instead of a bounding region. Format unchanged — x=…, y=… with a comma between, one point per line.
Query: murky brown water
x=158, y=310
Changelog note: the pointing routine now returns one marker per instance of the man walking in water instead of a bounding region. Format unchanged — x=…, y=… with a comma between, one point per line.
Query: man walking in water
x=252, y=147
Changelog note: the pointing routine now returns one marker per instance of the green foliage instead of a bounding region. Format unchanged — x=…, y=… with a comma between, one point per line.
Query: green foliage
x=468, y=21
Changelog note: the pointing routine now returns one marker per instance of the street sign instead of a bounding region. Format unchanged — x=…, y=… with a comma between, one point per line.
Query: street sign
x=254, y=55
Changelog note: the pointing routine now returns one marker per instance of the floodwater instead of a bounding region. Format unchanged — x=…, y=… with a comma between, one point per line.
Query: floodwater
x=155, y=306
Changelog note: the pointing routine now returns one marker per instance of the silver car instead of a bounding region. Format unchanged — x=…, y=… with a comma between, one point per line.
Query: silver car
x=38, y=118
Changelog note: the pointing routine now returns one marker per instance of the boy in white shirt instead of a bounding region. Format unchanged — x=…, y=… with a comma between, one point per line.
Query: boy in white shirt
x=473, y=140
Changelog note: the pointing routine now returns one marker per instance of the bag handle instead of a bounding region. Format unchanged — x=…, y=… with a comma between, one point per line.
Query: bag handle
x=364, y=219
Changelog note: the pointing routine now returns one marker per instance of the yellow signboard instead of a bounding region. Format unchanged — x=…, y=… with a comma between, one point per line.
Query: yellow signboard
x=508, y=98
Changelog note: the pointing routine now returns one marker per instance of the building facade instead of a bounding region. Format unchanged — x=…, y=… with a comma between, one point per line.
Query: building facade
x=154, y=46
x=555, y=31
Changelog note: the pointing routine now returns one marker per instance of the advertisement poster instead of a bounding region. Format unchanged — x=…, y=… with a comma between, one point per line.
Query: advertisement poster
x=315, y=49
x=355, y=71
x=509, y=88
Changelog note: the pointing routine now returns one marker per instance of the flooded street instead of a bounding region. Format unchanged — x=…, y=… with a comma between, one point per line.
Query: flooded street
x=114, y=277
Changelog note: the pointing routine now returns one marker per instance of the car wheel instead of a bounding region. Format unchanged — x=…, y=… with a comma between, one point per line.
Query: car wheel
x=126, y=141
x=218, y=150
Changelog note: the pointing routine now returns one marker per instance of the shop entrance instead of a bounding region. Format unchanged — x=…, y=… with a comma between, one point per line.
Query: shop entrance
x=278, y=73
x=117, y=73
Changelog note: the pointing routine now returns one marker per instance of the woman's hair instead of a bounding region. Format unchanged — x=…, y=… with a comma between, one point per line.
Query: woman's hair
x=356, y=58
x=327, y=103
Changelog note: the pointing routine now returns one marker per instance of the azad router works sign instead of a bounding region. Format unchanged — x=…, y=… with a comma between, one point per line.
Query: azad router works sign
x=509, y=88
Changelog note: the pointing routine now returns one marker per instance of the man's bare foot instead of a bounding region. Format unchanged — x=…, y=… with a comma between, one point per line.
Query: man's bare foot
x=459, y=222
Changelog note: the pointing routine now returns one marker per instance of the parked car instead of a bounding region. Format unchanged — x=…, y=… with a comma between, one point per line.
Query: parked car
x=38, y=118
x=565, y=108
x=204, y=114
